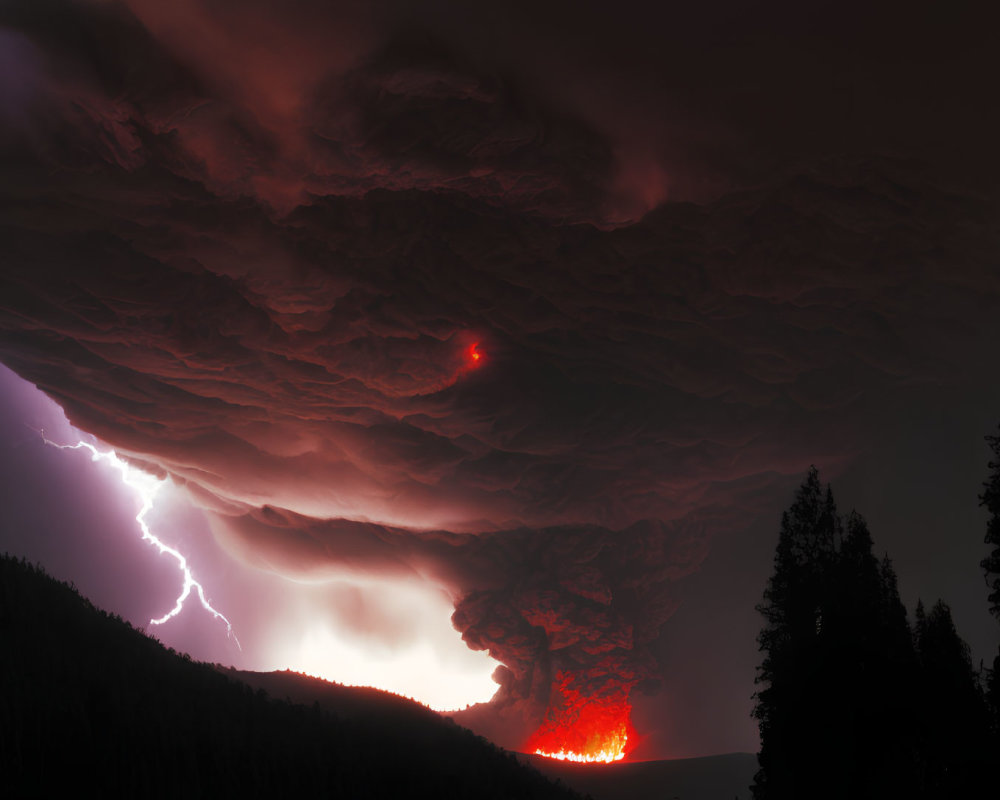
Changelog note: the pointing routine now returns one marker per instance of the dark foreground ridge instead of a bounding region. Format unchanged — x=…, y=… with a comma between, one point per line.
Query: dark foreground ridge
x=90, y=700
x=708, y=778
x=721, y=777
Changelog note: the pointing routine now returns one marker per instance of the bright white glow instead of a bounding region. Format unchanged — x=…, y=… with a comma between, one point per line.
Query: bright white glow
x=390, y=635
x=146, y=486
x=416, y=672
x=364, y=630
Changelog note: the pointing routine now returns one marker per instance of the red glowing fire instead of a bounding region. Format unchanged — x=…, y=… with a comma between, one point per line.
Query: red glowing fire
x=472, y=354
x=586, y=729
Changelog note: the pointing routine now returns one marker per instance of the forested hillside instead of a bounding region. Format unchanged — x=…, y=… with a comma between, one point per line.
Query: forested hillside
x=87, y=699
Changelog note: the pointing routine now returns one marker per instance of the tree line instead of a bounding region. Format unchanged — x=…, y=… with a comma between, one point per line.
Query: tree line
x=854, y=701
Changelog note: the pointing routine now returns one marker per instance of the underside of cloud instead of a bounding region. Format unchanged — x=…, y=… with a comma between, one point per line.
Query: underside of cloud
x=262, y=276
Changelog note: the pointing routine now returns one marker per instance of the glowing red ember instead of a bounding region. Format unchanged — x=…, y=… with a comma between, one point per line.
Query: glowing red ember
x=587, y=729
x=473, y=355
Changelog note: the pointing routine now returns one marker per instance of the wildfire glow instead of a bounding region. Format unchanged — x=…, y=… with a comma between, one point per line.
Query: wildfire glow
x=146, y=486
x=615, y=752
x=473, y=355
x=585, y=729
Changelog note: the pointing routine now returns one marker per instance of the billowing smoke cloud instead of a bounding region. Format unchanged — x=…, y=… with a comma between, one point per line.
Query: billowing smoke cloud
x=256, y=256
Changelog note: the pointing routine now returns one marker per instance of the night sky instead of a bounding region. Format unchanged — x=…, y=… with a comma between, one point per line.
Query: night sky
x=517, y=324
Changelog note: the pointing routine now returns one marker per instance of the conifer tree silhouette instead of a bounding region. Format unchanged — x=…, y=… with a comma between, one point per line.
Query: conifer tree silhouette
x=991, y=565
x=789, y=705
x=955, y=747
x=991, y=499
x=852, y=702
x=838, y=672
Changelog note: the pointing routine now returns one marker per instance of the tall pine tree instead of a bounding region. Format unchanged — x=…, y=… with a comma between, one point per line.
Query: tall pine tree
x=991, y=499
x=838, y=673
x=991, y=565
x=790, y=708
x=870, y=664
x=954, y=729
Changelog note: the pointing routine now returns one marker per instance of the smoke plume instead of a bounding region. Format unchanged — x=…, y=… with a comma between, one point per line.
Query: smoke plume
x=254, y=251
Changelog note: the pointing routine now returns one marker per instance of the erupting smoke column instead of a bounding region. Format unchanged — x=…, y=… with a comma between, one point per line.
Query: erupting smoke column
x=146, y=486
x=586, y=729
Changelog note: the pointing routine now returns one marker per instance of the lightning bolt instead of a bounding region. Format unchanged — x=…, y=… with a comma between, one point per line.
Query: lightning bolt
x=146, y=486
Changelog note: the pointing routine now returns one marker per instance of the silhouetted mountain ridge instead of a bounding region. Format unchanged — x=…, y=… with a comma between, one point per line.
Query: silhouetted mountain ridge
x=347, y=702
x=720, y=777
x=707, y=778
x=89, y=699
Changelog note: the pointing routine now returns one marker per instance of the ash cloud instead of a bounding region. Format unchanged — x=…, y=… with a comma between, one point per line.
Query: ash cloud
x=252, y=258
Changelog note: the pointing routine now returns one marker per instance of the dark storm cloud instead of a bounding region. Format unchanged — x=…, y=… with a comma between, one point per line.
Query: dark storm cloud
x=583, y=600
x=254, y=256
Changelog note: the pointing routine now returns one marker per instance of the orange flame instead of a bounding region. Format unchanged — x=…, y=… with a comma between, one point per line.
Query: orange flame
x=615, y=751
x=584, y=729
